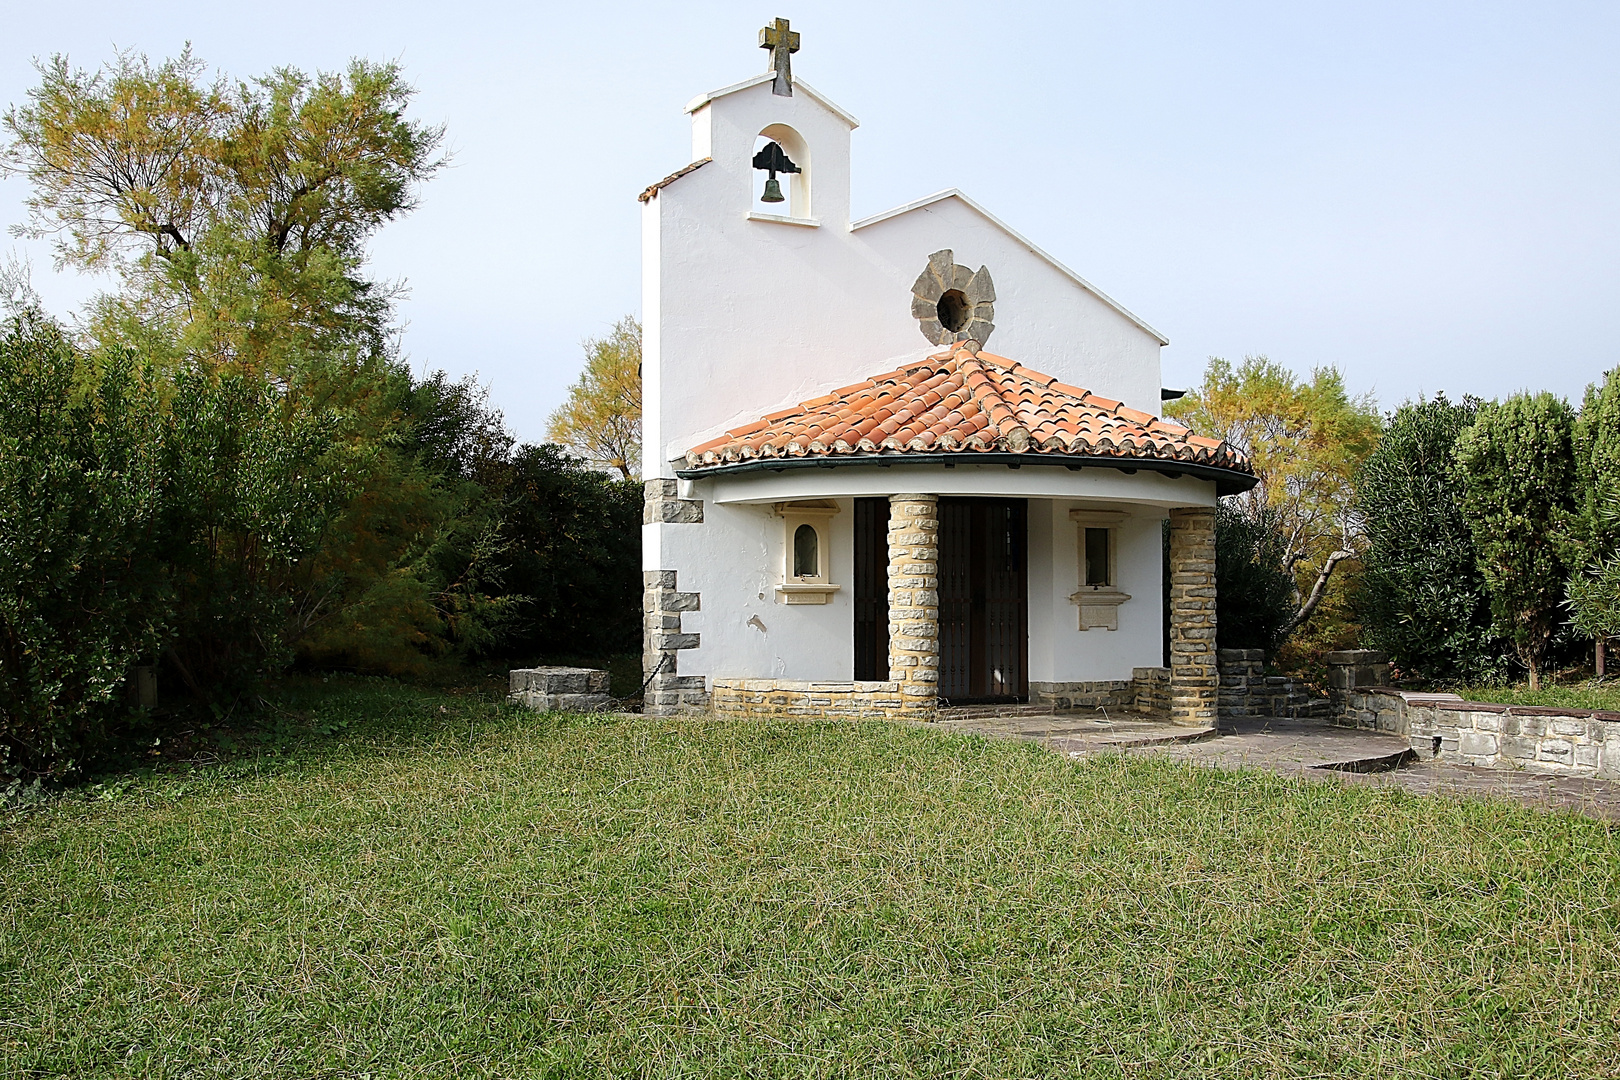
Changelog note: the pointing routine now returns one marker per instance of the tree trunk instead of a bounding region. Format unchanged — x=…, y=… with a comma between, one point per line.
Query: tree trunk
x=1535, y=675
x=1600, y=651
x=1309, y=606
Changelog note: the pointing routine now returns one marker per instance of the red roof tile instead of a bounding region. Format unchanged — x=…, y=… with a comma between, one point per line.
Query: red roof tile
x=958, y=401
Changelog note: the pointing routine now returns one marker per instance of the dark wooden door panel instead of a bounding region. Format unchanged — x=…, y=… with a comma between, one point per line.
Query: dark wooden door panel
x=955, y=598
x=1006, y=601
x=871, y=589
x=983, y=602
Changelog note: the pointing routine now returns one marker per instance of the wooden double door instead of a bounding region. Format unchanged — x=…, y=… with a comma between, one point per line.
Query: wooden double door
x=983, y=597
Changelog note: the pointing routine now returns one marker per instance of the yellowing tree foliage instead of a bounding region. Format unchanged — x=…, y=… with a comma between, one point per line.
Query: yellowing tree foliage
x=601, y=420
x=235, y=214
x=1306, y=441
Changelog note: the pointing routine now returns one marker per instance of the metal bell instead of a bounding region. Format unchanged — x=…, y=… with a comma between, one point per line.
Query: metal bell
x=773, y=191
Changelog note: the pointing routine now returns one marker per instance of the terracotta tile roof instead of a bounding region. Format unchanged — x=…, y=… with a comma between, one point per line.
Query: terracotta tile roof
x=958, y=401
x=653, y=189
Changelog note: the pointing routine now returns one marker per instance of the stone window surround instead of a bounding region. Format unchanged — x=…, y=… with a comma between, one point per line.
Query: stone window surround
x=817, y=514
x=1098, y=604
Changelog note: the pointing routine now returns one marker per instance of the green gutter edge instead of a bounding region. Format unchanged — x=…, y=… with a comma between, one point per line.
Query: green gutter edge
x=1227, y=481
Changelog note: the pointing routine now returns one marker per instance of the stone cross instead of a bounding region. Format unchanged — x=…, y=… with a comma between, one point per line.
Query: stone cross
x=783, y=43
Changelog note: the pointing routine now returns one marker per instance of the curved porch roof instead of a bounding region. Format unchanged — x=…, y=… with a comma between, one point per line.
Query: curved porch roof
x=965, y=406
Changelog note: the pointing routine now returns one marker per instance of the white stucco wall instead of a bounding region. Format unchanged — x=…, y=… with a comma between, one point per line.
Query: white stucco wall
x=735, y=559
x=745, y=316
x=1058, y=650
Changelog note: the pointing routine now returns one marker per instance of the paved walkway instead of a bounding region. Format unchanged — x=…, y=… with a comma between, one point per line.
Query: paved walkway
x=1309, y=749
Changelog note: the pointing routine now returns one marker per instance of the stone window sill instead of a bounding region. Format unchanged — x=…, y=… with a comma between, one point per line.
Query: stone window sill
x=779, y=219
x=797, y=593
x=1099, y=607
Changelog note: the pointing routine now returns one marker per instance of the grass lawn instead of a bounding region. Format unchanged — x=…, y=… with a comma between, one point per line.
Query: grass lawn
x=441, y=886
x=1581, y=695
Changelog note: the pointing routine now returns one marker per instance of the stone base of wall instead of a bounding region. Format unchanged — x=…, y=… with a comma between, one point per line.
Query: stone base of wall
x=1147, y=691
x=561, y=689
x=1570, y=741
x=1151, y=690
x=1107, y=693
x=822, y=700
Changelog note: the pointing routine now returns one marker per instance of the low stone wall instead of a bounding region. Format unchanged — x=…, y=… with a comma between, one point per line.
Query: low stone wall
x=1571, y=741
x=1108, y=694
x=561, y=689
x=1246, y=689
x=826, y=700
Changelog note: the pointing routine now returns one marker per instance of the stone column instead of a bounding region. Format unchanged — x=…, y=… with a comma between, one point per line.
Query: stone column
x=1194, y=678
x=914, y=603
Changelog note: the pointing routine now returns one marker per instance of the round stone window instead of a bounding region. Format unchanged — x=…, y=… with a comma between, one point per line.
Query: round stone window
x=952, y=303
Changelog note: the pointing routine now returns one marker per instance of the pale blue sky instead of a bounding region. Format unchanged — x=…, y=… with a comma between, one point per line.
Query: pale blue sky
x=1425, y=194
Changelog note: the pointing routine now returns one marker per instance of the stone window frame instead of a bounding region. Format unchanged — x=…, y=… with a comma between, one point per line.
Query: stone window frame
x=819, y=589
x=1098, y=604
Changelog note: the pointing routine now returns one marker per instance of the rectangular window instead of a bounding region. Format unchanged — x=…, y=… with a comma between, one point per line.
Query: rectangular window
x=1097, y=557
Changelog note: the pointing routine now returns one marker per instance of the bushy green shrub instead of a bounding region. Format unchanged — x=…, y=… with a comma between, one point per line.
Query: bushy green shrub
x=1422, y=597
x=1254, y=591
x=257, y=476
x=1594, y=549
x=83, y=594
x=1518, y=470
x=575, y=555
x=410, y=576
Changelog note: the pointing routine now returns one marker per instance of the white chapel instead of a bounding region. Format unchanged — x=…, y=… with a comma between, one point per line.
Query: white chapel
x=903, y=462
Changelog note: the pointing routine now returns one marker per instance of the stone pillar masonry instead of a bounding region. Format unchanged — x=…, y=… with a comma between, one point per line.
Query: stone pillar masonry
x=914, y=602
x=1194, y=677
x=668, y=692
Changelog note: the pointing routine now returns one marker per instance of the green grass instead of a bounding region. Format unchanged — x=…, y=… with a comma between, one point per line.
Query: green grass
x=1582, y=695
x=445, y=887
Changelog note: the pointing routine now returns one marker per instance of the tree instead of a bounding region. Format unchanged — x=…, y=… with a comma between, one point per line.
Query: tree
x=1594, y=594
x=1305, y=440
x=601, y=420
x=1254, y=593
x=1595, y=548
x=574, y=555
x=1422, y=596
x=236, y=216
x=1519, y=475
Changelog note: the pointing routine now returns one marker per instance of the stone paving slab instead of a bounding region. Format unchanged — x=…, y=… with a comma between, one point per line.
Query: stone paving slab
x=1293, y=747
x=1307, y=749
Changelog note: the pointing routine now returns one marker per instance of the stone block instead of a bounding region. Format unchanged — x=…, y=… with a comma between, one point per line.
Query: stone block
x=1476, y=744
x=1557, y=750
x=1517, y=748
